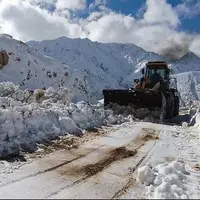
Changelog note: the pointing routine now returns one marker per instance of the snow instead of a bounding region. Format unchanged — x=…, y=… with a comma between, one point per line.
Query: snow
x=169, y=180
x=171, y=169
x=189, y=62
x=26, y=119
x=196, y=117
x=146, y=175
x=198, y=120
x=188, y=84
x=164, y=181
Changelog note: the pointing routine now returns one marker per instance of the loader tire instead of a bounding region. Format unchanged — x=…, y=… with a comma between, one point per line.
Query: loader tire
x=163, y=109
x=176, y=106
x=170, y=107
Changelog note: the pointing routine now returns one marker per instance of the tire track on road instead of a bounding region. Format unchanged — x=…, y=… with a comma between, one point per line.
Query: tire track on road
x=48, y=169
x=131, y=180
x=41, y=172
x=144, y=136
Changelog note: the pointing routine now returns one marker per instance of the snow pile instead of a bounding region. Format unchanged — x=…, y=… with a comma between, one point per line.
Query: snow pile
x=195, y=120
x=194, y=113
x=198, y=119
x=39, y=116
x=165, y=181
x=8, y=168
x=138, y=113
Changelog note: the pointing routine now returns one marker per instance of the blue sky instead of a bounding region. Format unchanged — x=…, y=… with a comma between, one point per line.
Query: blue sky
x=132, y=7
x=188, y=23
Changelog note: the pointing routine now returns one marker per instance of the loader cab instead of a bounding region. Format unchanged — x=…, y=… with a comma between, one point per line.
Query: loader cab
x=153, y=73
x=159, y=67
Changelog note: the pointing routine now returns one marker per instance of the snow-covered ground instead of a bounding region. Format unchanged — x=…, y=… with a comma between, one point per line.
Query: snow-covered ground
x=178, y=177
x=197, y=119
x=132, y=160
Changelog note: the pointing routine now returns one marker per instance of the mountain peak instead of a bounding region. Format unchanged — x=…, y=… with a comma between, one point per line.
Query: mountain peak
x=190, y=55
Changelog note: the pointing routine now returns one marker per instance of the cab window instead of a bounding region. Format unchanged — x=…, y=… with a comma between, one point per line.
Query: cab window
x=159, y=71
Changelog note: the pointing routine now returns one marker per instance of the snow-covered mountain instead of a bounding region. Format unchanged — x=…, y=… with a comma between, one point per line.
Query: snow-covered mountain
x=102, y=62
x=119, y=61
x=189, y=62
x=87, y=67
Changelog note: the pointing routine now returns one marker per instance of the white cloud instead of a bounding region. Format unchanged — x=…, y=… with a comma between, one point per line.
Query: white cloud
x=111, y=27
x=154, y=32
x=71, y=4
x=158, y=38
x=159, y=11
x=27, y=22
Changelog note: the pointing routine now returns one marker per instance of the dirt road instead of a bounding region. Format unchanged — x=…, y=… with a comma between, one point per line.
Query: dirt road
x=104, y=166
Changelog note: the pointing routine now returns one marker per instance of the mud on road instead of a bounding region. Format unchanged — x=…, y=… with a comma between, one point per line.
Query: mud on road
x=67, y=143
x=112, y=155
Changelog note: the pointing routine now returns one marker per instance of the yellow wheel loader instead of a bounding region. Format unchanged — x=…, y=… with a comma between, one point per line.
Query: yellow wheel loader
x=152, y=92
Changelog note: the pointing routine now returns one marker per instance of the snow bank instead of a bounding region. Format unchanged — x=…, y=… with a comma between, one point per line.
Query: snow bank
x=38, y=116
x=198, y=119
x=195, y=116
x=165, y=181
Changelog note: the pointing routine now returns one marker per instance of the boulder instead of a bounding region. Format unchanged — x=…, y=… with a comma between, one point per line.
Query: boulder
x=4, y=58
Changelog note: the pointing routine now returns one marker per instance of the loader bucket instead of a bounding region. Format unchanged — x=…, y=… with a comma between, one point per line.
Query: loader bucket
x=131, y=98
x=139, y=98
